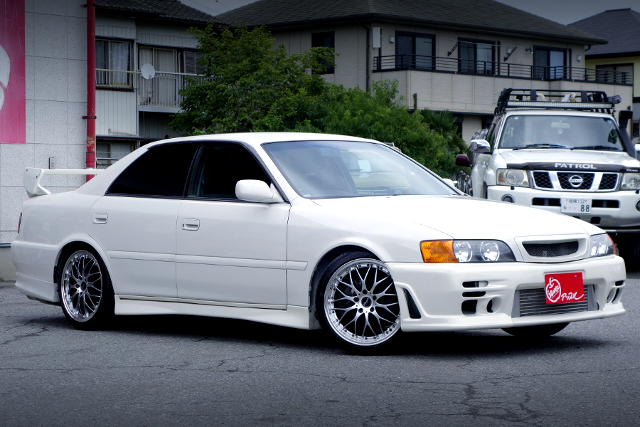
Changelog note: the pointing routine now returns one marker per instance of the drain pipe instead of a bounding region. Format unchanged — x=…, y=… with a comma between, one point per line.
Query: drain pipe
x=91, y=86
x=368, y=56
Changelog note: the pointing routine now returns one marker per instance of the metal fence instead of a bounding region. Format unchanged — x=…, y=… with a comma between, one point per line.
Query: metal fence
x=498, y=69
x=160, y=91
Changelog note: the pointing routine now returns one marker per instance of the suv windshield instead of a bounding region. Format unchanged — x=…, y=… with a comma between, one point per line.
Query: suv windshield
x=330, y=169
x=573, y=132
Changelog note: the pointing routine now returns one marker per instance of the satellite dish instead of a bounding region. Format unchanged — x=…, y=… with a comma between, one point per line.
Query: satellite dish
x=148, y=71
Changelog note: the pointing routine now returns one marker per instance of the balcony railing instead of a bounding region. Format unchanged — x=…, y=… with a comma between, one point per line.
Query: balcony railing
x=160, y=91
x=163, y=89
x=498, y=69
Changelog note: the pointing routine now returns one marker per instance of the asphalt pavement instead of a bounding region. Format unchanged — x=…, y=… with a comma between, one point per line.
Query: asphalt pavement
x=181, y=370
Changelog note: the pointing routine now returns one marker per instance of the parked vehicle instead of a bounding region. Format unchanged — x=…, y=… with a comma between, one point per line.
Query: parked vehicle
x=307, y=231
x=562, y=152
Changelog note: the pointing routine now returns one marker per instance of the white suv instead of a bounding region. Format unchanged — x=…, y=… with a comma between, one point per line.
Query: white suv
x=562, y=152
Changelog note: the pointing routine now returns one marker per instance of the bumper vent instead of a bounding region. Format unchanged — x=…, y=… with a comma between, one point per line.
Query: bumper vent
x=533, y=302
x=542, y=180
x=551, y=250
x=609, y=181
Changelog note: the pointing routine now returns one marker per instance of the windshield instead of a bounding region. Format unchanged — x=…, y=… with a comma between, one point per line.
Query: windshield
x=573, y=132
x=330, y=169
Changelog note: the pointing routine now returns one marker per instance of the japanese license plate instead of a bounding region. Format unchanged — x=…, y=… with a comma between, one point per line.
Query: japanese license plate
x=564, y=287
x=574, y=205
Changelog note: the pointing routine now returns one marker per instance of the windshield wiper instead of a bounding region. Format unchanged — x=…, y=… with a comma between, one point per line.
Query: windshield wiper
x=541, y=146
x=597, y=147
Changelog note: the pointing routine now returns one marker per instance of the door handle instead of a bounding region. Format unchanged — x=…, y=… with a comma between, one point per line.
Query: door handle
x=190, y=224
x=100, y=218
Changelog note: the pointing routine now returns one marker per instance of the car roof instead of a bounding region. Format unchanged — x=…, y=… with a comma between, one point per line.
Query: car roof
x=255, y=139
x=555, y=112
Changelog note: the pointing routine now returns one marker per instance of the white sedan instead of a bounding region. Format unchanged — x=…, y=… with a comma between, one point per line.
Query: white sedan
x=307, y=231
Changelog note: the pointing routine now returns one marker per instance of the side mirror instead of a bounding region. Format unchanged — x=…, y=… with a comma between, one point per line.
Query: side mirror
x=480, y=146
x=253, y=190
x=463, y=160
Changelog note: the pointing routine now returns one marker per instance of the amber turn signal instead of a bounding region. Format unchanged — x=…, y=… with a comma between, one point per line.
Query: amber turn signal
x=437, y=251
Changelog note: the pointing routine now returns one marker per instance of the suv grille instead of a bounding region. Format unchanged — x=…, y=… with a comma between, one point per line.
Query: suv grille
x=533, y=302
x=566, y=178
x=550, y=250
x=609, y=181
x=542, y=180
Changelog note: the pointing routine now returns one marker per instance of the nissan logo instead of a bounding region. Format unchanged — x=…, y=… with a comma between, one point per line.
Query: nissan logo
x=575, y=181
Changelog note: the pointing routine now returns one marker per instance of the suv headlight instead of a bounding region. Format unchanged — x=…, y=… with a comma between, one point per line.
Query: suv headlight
x=514, y=177
x=630, y=181
x=601, y=245
x=466, y=251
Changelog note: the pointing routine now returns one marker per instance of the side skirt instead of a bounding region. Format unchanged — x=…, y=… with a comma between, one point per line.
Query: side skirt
x=282, y=315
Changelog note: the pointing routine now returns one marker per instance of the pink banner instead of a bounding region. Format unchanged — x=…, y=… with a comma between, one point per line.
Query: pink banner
x=12, y=81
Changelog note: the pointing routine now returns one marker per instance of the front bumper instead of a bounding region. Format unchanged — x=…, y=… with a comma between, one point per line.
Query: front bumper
x=440, y=297
x=615, y=210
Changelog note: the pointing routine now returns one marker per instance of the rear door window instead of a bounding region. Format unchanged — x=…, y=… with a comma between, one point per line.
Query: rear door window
x=160, y=172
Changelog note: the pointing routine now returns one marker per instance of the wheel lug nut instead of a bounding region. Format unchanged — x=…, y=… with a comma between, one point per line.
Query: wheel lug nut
x=360, y=310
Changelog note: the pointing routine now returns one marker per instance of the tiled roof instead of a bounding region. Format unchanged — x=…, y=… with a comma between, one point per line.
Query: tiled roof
x=621, y=28
x=160, y=9
x=479, y=15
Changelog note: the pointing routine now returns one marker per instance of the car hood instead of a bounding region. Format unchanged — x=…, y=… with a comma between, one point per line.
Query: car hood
x=460, y=217
x=572, y=160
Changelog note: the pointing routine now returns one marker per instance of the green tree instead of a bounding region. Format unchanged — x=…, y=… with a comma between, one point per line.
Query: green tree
x=381, y=115
x=248, y=85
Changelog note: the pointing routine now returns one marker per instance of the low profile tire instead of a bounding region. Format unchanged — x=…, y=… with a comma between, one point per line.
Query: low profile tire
x=357, y=303
x=85, y=291
x=541, y=331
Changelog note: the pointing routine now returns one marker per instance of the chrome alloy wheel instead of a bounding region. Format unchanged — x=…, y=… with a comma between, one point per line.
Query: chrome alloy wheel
x=361, y=303
x=81, y=286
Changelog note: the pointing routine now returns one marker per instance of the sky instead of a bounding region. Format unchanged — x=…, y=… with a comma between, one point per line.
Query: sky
x=562, y=11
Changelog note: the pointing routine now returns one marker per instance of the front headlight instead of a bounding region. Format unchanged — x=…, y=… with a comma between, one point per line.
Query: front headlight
x=514, y=177
x=601, y=245
x=630, y=181
x=465, y=251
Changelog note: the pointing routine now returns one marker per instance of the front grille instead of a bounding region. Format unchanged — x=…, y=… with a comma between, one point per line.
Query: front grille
x=550, y=250
x=542, y=180
x=565, y=177
x=608, y=181
x=533, y=302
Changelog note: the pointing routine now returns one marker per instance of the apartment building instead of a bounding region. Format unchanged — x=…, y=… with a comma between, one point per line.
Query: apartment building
x=454, y=55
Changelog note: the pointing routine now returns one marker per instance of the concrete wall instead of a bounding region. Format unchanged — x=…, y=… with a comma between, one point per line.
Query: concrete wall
x=56, y=100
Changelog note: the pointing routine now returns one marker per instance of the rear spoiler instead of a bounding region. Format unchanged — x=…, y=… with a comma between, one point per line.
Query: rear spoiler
x=32, y=177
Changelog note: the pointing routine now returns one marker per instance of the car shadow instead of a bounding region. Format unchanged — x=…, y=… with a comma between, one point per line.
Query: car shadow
x=481, y=343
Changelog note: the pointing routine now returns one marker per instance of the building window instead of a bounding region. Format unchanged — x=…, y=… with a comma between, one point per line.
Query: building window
x=548, y=63
x=614, y=73
x=190, y=64
x=109, y=152
x=415, y=51
x=476, y=56
x=113, y=64
x=326, y=39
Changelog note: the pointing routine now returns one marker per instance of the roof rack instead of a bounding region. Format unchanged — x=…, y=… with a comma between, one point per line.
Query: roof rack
x=585, y=100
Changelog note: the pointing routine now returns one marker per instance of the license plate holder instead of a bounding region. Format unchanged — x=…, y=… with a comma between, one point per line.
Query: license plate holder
x=564, y=287
x=575, y=205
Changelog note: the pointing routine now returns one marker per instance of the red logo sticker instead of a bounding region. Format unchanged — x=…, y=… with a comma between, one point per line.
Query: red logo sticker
x=564, y=287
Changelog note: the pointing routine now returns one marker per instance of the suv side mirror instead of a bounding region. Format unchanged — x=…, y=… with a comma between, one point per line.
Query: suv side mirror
x=253, y=190
x=463, y=160
x=480, y=146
